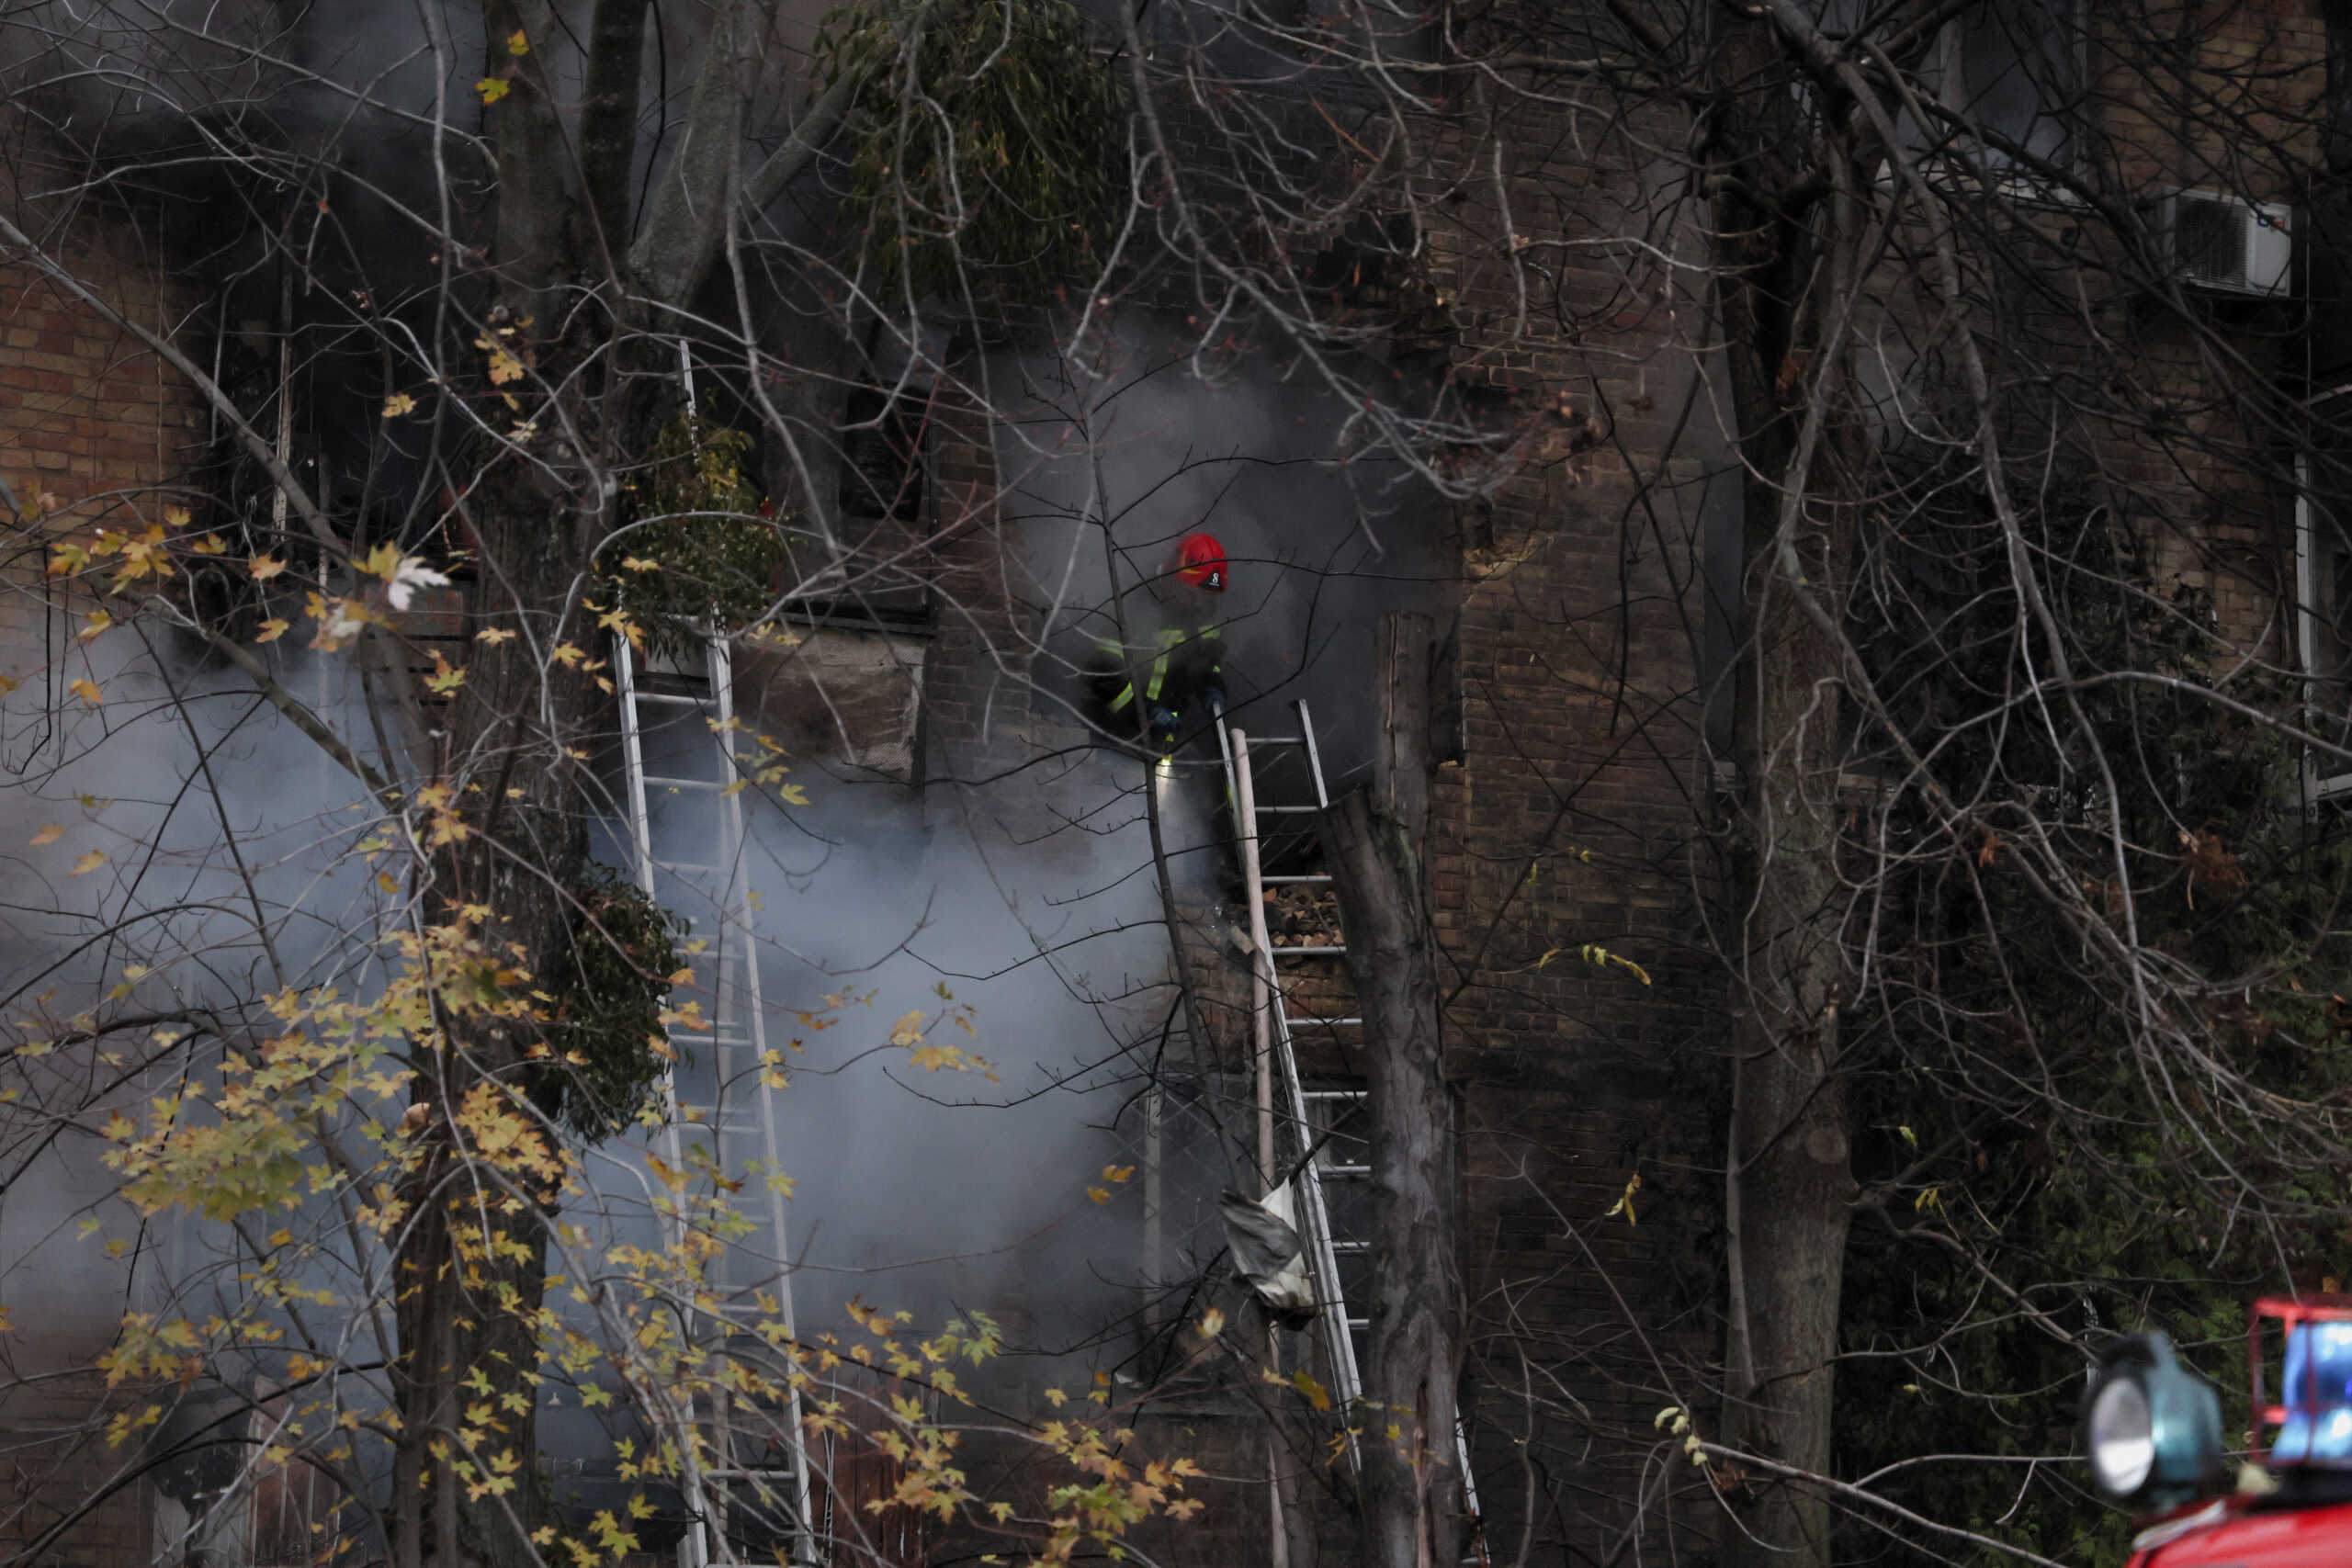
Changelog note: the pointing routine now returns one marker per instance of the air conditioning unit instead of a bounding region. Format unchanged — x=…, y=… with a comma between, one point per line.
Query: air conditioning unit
x=2225, y=244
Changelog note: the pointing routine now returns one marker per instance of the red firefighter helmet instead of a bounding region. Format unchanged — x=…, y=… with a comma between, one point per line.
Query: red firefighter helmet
x=1199, y=560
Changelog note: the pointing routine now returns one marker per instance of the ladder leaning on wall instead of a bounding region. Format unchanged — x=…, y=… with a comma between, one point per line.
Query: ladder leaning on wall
x=687, y=836
x=1327, y=1168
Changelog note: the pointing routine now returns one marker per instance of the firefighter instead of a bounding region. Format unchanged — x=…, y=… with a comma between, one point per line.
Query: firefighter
x=1183, y=681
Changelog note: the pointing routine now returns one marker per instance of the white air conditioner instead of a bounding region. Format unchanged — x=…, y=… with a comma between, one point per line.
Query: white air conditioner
x=2225, y=244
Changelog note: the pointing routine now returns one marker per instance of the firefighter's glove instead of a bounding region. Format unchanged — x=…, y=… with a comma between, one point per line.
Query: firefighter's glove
x=1164, y=726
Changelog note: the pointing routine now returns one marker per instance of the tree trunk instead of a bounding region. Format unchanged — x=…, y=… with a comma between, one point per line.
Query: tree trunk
x=1783, y=169
x=513, y=754
x=472, y=1272
x=1412, y=1485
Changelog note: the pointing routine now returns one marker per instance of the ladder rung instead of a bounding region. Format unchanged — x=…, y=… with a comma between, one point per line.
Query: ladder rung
x=1270, y=880
x=1347, y=1172
x=1335, y=1094
x=668, y=783
x=730, y=1473
x=645, y=696
x=1305, y=952
x=1272, y=810
x=1326, y=1023
x=1351, y=1248
x=1359, y=1325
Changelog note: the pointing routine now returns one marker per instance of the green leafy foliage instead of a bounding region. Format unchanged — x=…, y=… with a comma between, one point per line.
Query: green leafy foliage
x=985, y=152
x=606, y=1029
x=695, y=554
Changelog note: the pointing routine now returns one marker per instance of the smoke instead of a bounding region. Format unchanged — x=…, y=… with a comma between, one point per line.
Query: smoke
x=177, y=852
x=229, y=864
x=947, y=1186
x=1111, y=462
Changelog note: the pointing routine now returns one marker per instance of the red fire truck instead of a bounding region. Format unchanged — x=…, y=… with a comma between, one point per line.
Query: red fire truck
x=2152, y=1430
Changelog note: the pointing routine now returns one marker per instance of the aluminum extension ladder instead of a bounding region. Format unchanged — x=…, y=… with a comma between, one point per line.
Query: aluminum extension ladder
x=690, y=854
x=1314, y=1112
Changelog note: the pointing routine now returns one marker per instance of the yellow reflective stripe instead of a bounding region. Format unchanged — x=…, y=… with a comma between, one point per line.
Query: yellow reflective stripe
x=1169, y=639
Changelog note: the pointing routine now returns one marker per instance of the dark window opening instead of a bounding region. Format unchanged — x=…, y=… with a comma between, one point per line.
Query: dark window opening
x=882, y=454
x=2014, y=71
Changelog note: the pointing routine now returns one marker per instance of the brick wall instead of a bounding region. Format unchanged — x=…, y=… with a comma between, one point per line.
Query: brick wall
x=53, y=1460
x=88, y=415
x=1569, y=824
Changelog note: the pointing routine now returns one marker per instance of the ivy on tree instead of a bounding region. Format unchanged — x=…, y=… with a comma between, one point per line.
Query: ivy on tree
x=696, y=554
x=605, y=1029
x=986, y=160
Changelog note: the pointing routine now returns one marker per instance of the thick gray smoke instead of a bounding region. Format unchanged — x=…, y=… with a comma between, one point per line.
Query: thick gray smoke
x=1136, y=448
x=174, y=850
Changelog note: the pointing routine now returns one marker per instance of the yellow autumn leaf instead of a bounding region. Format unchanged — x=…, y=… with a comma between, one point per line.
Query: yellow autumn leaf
x=1099, y=1194
x=1317, y=1395
x=516, y=43
x=908, y=1030
x=491, y=89
x=89, y=863
x=398, y=405
x=1117, y=1173
x=87, y=689
x=271, y=630
x=504, y=366
x=96, y=621
x=209, y=544
x=50, y=833
x=264, y=568
x=175, y=515
x=493, y=635
x=639, y=563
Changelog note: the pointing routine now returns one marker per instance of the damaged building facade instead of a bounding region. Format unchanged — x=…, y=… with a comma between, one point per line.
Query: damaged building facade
x=1532, y=283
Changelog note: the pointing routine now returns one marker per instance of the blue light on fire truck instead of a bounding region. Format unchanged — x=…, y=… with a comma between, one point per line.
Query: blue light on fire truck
x=2317, y=1393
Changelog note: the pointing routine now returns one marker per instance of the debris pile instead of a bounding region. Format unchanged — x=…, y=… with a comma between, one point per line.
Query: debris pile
x=1302, y=915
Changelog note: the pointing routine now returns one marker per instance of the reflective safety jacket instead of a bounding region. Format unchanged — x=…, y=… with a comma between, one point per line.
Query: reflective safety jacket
x=1187, y=668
